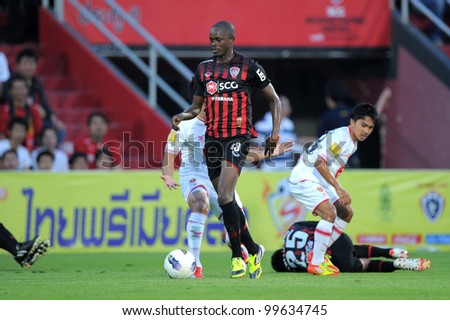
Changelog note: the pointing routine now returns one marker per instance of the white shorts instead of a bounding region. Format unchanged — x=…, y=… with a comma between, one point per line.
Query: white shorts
x=190, y=185
x=311, y=194
x=204, y=183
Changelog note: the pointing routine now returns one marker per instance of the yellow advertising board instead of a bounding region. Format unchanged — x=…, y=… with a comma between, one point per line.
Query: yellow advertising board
x=402, y=208
x=131, y=211
x=119, y=211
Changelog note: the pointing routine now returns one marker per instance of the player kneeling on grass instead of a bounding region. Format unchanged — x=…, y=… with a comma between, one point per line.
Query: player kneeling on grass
x=25, y=253
x=343, y=254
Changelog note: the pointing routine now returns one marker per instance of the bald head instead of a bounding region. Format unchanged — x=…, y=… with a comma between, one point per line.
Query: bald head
x=226, y=27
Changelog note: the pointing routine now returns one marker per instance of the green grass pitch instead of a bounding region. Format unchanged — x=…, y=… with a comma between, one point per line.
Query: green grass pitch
x=141, y=276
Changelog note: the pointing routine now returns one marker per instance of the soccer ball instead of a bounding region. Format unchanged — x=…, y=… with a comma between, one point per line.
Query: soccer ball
x=180, y=264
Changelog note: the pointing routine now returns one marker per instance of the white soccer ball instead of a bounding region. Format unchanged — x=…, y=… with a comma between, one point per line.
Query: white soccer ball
x=180, y=264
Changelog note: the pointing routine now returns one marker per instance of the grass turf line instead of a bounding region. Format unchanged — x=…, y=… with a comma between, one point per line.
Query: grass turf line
x=141, y=276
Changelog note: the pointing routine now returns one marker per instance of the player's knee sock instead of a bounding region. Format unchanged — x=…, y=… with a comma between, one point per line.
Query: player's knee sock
x=7, y=240
x=379, y=252
x=246, y=237
x=367, y=251
x=338, y=228
x=380, y=266
x=322, y=236
x=231, y=219
x=195, y=228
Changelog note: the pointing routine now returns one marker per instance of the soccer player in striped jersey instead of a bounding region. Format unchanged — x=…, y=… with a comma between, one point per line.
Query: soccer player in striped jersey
x=223, y=84
x=298, y=243
x=313, y=182
x=196, y=186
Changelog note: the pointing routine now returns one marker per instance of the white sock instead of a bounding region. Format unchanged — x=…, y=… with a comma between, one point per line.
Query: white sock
x=194, y=229
x=322, y=237
x=338, y=229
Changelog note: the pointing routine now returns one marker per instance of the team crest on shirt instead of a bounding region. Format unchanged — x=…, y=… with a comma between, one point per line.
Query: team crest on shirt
x=433, y=205
x=211, y=87
x=234, y=71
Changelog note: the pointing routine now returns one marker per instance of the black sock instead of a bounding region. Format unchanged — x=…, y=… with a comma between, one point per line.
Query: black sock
x=7, y=240
x=246, y=237
x=231, y=221
x=366, y=251
x=380, y=266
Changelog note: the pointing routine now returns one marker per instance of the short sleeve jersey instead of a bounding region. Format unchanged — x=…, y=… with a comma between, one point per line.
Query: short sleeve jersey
x=335, y=147
x=298, y=242
x=226, y=88
x=190, y=141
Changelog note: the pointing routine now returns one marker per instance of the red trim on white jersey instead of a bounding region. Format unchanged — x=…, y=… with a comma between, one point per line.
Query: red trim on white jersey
x=201, y=119
x=313, y=211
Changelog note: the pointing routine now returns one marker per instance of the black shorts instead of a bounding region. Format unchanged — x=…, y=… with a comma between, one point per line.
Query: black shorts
x=343, y=255
x=232, y=150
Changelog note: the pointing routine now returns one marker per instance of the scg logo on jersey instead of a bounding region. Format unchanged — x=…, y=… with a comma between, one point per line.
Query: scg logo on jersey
x=213, y=87
x=227, y=85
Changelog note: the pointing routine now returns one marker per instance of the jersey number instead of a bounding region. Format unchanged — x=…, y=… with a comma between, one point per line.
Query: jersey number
x=295, y=240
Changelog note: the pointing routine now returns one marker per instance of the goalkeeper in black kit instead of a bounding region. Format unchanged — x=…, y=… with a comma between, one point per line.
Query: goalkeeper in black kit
x=299, y=239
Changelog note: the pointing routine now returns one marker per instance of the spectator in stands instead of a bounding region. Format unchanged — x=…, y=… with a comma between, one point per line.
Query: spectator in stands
x=48, y=140
x=17, y=134
x=104, y=160
x=339, y=107
x=9, y=160
x=4, y=71
x=98, y=127
x=18, y=106
x=78, y=161
x=45, y=160
x=438, y=8
x=287, y=133
x=26, y=64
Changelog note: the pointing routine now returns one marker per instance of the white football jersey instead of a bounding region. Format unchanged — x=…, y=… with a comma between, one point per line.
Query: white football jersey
x=190, y=141
x=335, y=146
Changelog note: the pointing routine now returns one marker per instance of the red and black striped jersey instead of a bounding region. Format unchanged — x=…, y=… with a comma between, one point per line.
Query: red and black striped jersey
x=226, y=88
x=298, y=242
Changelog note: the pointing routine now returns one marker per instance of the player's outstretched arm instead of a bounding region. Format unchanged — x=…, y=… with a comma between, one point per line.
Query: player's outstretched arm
x=256, y=154
x=189, y=113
